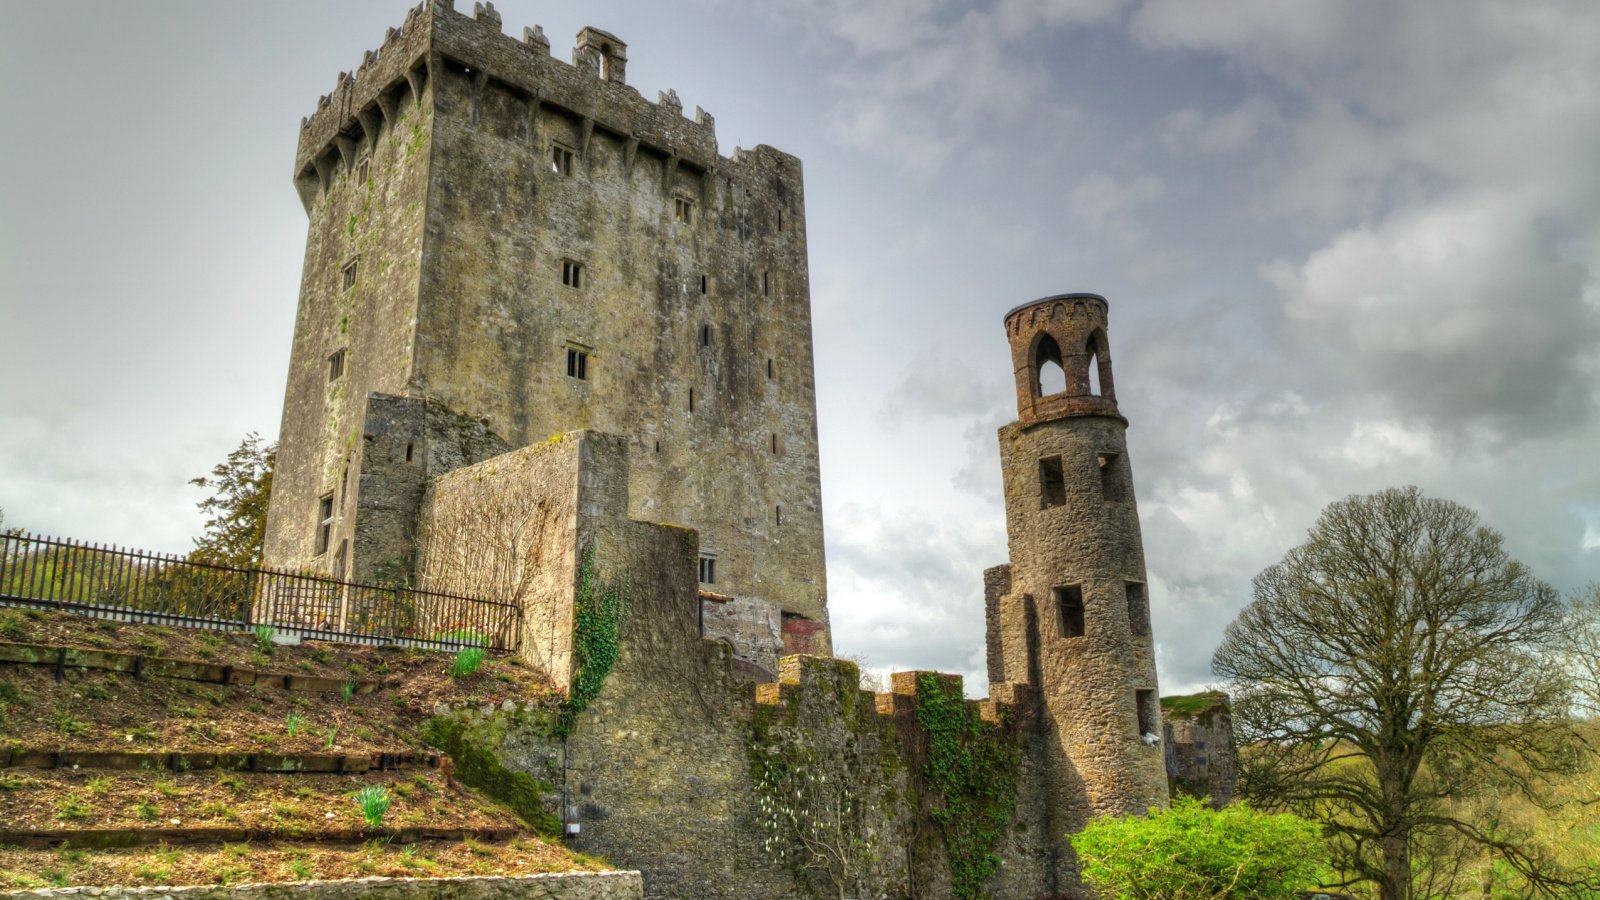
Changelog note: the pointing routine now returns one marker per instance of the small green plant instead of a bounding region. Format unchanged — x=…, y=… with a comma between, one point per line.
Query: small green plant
x=66, y=724
x=99, y=785
x=73, y=808
x=1192, y=851
x=349, y=689
x=97, y=692
x=374, y=802
x=9, y=693
x=142, y=733
x=301, y=869
x=13, y=627
x=157, y=874
x=333, y=735
x=167, y=789
x=468, y=660
x=264, y=636
x=294, y=723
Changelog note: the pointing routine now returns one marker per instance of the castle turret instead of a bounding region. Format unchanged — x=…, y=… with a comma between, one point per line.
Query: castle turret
x=1070, y=616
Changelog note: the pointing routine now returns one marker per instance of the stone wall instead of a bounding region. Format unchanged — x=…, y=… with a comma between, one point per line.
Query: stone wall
x=507, y=528
x=675, y=766
x=564, y=886
x=1202, y=759
x=692, y=310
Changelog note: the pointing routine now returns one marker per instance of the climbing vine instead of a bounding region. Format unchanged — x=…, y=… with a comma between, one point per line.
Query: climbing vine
x=971, y=778
x=597, y=617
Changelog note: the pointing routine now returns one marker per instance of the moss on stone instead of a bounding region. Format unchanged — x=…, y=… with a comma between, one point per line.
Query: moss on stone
x=477, y=766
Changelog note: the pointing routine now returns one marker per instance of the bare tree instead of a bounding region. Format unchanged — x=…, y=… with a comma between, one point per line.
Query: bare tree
x=1583, y=648
x=1395, y=663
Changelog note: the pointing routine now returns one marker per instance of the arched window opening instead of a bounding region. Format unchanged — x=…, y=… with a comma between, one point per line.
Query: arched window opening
x=1099, y=368
x=1047, y=363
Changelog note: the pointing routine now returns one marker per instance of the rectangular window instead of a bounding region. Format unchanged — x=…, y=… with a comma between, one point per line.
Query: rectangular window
x=577, y=364
x=691, y=399
x=1149, y=713
x=774, y=443
x=683, y=210
x=777, y=514
x=769, y=367
x=1138, y=609
x=561, y=159
x=708, y=570
x=361, y=173
x=572, y=273
x=1069, y=610
x=1052, y=485
x=702, y=284
x=336, y=365
x=705, y=335
x=780, y=220
x=1110, y=476
x=324, y=523
x=349, y=272
x=766, y=285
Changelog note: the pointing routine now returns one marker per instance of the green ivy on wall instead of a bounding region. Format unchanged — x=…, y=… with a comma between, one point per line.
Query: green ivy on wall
x=971, y=778
x=597, y=616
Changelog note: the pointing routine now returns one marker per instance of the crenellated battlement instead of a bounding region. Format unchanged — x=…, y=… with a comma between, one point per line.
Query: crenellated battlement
x=799, y=674
x=592, y=88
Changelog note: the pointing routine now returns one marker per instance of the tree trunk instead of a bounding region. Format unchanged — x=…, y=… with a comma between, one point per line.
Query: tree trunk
x=1396, y=883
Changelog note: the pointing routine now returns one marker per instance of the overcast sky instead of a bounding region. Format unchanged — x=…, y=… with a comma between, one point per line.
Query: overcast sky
x=1346, y=244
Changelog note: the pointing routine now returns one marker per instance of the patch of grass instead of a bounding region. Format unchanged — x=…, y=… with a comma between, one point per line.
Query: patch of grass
x=105, y=626
x=374, y=802
x=66, y=724
x=467, y=661
x=99, y=785
x=154, y=874
x=13, y=627
x=142, y=733
x=145, y=645
x=12, y=782
x=167, y=789
x=232, y=782
x=73, y=808
x=349, y=690
x=301, y=870
x=333, y=735
x=97, y=692
x=257, y=707
x=10, y=693
x=294, y=723
x=146, y=811
x=264, y=636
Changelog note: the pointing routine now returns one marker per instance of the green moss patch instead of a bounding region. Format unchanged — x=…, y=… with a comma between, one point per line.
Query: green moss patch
x=477, y=766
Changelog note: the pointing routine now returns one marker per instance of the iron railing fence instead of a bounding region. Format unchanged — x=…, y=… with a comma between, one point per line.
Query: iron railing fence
x=127, y=585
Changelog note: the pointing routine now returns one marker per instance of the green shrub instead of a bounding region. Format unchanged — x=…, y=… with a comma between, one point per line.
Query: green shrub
x=1192, y=851
x=264, y=636
x=374, y=802
x=467, y=661
x=293, y=723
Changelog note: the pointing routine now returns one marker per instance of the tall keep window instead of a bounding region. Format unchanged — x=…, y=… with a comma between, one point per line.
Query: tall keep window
x=561, y=159
x=348, y=273
x=1149, y=708
x=572, y=273
x=1138, y=609
x=683, y=210
x=766, y=284
x=1052, y=484
x=1069, y=610
x=578, y=363
x=1111, y=476
x=361, y=172
x=324, y=523
x=708, y=570
x=336, y=365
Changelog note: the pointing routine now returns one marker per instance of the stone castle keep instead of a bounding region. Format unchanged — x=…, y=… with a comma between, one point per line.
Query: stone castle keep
x=547, y=337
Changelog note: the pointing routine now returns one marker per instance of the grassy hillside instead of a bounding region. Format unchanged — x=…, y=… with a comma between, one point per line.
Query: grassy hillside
x=254, y=772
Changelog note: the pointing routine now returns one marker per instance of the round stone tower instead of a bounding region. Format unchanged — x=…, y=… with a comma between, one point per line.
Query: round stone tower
x=1070, y=616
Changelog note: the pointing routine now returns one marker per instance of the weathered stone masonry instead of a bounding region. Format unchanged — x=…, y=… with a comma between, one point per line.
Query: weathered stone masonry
x=535, y=248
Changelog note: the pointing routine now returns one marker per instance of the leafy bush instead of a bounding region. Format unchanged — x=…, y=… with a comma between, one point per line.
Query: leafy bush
x=1191, y=851
x=374, y=802
x=467, y=661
